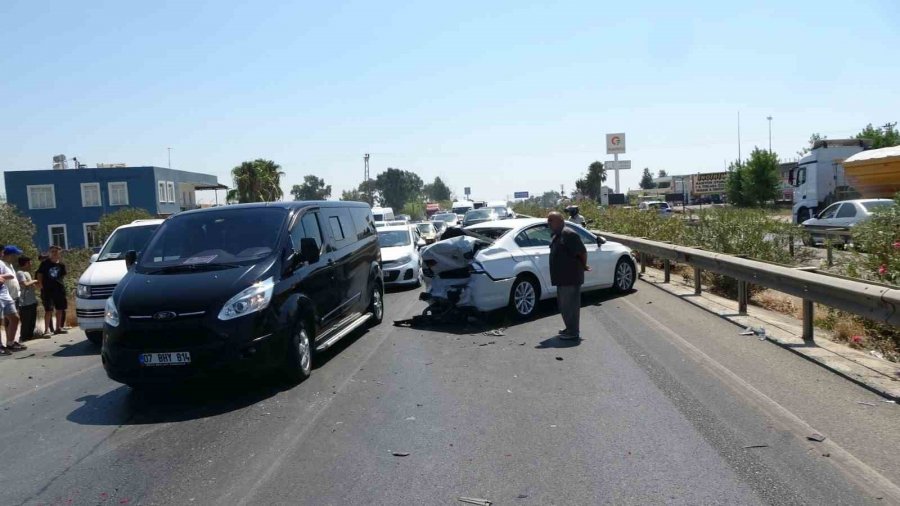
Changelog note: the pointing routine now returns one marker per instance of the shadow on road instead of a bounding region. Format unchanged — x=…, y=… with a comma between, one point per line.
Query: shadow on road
x=556, y=343
x=478, y=323
x=82, y=349
x=188, y=400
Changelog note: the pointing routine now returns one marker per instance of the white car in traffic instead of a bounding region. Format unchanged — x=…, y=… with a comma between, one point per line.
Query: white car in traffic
x=513, y=270
x=107, y=268
x=401, y=263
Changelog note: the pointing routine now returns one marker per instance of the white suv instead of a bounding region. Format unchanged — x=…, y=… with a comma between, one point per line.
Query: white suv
x=106, y=270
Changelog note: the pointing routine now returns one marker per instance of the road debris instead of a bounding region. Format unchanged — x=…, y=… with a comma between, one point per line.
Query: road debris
x=816, y=437
x=889, y=401
x=755, y=446
x=474, y=500
x=400, y=454
x=876, y=354
x=522, y=496
x=495, y=332
x=411, y=418
x=559, y=358
x=755, y=331
x=865, y=403
x=826, y=454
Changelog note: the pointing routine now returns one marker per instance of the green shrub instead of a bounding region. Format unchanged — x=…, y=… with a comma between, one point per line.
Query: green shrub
x=17, y=229
x=110, y=222
x=879, y=238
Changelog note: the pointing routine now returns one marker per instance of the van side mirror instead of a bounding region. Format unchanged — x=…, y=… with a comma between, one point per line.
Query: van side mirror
x=130, y=258
x=309, y=250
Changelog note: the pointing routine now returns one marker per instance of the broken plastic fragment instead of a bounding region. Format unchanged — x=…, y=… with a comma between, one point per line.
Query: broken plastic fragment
x=400, y=454
x=816, y=437
x=474, y=500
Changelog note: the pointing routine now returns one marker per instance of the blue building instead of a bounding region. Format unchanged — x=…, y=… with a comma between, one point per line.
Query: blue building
x=66, y=205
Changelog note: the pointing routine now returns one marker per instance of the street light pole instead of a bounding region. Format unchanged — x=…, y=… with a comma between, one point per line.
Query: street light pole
x=770, y=133
x=170, y=157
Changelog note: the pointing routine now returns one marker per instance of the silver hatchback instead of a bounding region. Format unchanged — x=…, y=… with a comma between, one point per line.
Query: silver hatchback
x=842, y=215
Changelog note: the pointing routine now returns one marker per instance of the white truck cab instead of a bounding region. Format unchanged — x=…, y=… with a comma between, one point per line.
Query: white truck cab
x=819, y=178
x=107, y=268
x=382, y=214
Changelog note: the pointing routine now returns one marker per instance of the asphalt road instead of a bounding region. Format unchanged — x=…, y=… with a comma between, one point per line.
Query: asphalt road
x=660, y=403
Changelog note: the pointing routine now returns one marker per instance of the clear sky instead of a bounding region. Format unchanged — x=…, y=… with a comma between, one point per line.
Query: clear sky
x=499, y=96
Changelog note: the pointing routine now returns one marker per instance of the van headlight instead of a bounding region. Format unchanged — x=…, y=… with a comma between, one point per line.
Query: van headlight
x=83, y=291
x=405, y=259
x=111, y=315
x=253, y=299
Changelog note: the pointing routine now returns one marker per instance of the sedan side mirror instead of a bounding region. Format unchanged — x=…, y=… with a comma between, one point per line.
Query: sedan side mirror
x=600, y=241
x=309, y=250
x=94, y=257
x=130, y=258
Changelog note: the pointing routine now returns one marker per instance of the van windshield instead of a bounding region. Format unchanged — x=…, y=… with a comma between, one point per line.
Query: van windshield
x=124, y=240
x=235, y=236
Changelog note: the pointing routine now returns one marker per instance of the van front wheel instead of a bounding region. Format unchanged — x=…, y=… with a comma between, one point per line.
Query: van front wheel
x=298, y=362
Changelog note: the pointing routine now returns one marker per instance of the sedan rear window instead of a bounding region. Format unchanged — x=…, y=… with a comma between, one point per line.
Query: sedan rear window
x=491, y=233
x=872, y=206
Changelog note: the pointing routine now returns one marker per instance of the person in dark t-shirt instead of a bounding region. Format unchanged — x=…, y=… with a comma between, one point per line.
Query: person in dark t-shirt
x=51, y=275
x=568, y=262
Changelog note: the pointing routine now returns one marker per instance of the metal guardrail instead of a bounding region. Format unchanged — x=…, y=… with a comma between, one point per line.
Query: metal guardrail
x=872, y=301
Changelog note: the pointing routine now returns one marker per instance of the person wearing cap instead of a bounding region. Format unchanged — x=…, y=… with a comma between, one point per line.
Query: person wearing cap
x=574, y=217
x=27, y=299
x=9, y=293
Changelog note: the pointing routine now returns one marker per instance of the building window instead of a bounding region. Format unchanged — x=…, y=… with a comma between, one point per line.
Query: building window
x=92, y=235
x=90, y=194
x=161, y=191
x=170, y=192
x=41, y=196
x=58, y=236
x=118, y=194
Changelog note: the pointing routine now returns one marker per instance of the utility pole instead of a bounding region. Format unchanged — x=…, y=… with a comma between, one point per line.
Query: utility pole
x=770, y=133
x=170, y=157
x=366, y=177
x=739, y=137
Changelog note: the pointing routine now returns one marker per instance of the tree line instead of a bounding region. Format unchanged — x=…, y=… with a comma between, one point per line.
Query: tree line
x=260, y=181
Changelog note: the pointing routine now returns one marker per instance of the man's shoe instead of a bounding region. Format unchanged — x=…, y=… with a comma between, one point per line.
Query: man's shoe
x=563, y=332
x=568, y=337
x=60, y=331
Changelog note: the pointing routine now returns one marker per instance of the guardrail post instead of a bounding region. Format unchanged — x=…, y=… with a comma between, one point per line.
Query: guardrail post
x=698, y=286
x=791, y=244
x=643, y=259
x=742, y=297
x=829, y=254
x=808, y=314
x=667, y=270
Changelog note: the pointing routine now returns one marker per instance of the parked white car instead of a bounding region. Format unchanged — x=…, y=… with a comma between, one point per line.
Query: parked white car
x=514, y=269
x=107, y=268
x=662, y=208
x=844, y=214
x=401, y=262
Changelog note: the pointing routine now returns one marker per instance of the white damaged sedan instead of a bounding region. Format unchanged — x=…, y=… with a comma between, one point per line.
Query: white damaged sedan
x=508, y=265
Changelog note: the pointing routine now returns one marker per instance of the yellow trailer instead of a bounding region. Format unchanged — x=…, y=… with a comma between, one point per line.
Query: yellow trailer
x=874, y=173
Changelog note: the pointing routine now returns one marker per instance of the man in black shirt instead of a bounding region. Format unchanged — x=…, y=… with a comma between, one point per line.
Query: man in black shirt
x=51, y=276
x=568, y=262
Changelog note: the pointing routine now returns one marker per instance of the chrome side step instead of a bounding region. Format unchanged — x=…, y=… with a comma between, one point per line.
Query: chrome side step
x=348, y=329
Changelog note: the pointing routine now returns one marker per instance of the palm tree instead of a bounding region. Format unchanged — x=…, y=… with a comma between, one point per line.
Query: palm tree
x=256, y=181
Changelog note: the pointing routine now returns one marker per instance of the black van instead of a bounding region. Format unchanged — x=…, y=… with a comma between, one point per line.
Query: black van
x=251, y=285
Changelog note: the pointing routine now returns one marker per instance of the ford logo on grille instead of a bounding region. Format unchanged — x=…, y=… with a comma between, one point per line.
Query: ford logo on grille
x=165, y=315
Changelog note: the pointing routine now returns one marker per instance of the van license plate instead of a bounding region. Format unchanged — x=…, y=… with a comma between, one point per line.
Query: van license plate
x=171, y=358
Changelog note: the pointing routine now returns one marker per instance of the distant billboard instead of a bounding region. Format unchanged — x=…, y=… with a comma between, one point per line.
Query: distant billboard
x=617, y=199
x=710, y=183
x=520, y=195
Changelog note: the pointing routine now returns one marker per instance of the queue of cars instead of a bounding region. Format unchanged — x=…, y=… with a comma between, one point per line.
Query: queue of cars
x=268, y=286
